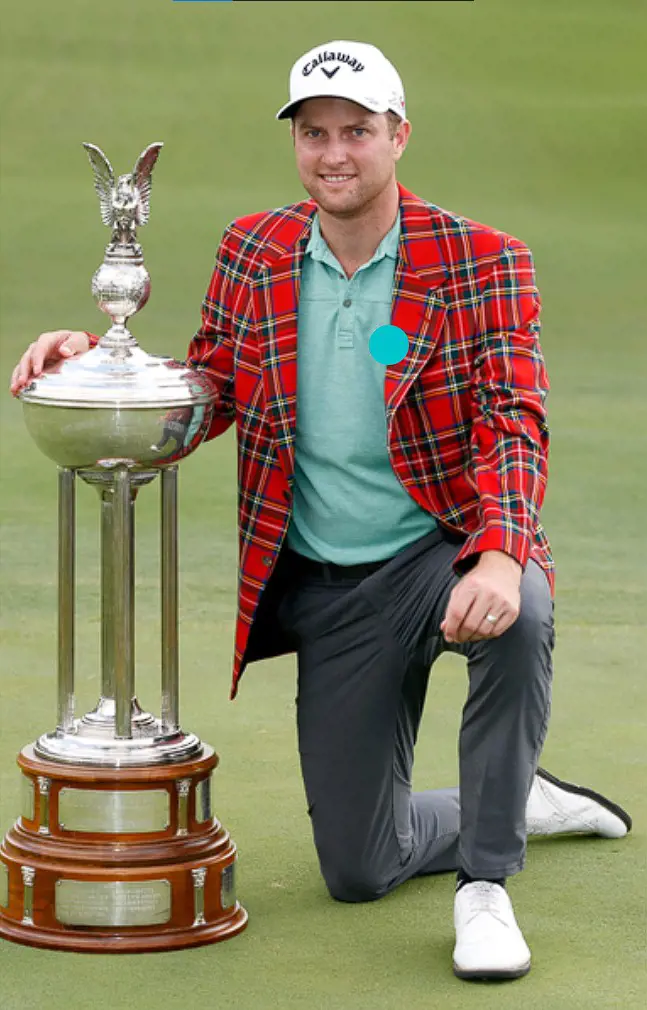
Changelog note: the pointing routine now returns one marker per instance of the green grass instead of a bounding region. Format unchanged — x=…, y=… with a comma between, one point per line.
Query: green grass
x=526, y=116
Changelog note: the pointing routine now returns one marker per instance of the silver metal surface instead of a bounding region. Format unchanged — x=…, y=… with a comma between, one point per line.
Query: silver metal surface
x=169, y=582
x=122, y=567
x=204, y=799
x=113, y=902
x=118, y=416
x=116, y=404
x=183, y=787
x=142, y=412
x=91, y=747
x=199, y=879
x=28, y=876
x=66, y=587
x=106, y=495
x=4, y=885
x=121, y=286
x=102, y=716
x=228, y=886
x=28, y=798
x=114, y=811
x=43, y=802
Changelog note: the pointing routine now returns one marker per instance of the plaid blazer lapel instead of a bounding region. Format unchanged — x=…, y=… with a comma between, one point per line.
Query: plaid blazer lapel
x=276, y=299
x=418, y=307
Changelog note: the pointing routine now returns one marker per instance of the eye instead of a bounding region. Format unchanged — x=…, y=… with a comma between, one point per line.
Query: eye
x=312, y=133
x=360, y=131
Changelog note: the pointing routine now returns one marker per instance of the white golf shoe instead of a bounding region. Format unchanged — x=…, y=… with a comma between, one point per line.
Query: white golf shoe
x=489, y=943
x=555, y=807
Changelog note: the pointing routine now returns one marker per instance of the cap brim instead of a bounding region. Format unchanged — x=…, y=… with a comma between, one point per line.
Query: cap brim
x=288, y=110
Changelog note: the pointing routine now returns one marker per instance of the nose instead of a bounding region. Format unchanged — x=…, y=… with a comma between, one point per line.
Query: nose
x=335, y=154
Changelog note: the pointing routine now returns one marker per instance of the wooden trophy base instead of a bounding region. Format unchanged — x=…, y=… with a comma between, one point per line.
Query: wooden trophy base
x=118, y=860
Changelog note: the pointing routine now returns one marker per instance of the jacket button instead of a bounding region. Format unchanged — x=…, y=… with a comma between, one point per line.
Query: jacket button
x=266, y=560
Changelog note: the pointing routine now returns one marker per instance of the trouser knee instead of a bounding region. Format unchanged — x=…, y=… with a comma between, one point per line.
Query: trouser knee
x=523, y=653
x=352, y=870
x=354, y=883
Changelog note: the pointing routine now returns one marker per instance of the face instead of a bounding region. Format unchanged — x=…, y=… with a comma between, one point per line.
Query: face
x=345, y=155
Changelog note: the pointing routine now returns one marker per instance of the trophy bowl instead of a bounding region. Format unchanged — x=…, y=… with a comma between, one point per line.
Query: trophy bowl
x=118, y=406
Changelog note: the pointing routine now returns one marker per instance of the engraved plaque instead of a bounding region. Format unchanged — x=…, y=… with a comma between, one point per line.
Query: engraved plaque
x=204, y=799
x=114, y=811
x=4, y=885
x=113, y=903
x=228, y=886
x=28, y=808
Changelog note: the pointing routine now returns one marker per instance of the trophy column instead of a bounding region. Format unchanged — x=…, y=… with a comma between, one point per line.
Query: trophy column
x=66, y=594
x=117, y=848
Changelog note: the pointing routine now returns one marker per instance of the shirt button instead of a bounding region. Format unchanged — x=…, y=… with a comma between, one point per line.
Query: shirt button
x=266, y=560
x=347, y=303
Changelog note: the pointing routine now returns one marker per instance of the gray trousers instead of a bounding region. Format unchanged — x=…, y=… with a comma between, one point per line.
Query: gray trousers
x=365, y=649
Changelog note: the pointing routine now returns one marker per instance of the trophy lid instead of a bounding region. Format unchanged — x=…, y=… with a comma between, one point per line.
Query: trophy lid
x=119, y=378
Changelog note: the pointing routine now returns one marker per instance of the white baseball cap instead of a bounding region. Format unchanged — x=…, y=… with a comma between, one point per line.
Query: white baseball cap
x=356, y=71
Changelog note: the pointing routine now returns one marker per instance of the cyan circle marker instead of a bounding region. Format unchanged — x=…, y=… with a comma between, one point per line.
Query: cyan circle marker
x=388, y=344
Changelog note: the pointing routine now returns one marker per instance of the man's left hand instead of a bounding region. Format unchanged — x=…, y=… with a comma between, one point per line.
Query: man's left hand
x=486, y=601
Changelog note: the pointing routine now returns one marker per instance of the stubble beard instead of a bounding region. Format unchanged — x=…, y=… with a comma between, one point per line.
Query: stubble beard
x=353, y=204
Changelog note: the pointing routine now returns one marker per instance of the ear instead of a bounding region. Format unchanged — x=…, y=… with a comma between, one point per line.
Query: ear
x=401, y=138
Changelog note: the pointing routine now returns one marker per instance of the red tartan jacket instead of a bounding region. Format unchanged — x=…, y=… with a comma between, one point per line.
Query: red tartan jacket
x=466, y=423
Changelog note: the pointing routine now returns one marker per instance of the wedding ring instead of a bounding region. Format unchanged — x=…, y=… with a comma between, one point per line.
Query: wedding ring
x=492, y=618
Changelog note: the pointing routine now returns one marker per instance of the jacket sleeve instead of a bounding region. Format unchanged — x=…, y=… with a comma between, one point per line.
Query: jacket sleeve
x=212, y=348
x=509, y=437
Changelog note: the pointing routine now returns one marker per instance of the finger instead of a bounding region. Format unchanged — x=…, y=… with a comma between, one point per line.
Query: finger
x=481, y=603
x=494, y=629
x=459, y=604
x=63, y=345
x=38, y=354
x=487, y=628
x=477, y=625
x=505, y=621
x=25, y=366
x=13, y=384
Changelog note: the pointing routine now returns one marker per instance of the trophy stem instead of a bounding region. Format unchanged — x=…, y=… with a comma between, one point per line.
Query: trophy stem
x=122, y=603
x=107, y=632
x=169, y=593
x=66, y=592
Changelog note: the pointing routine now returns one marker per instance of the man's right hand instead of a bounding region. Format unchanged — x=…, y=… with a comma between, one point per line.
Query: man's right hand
x=49, y=349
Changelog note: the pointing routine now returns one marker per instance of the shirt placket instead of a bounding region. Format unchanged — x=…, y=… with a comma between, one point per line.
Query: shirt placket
x=347, y=299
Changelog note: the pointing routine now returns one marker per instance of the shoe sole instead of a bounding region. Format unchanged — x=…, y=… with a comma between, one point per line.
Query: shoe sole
x=570, y=787
x=484, y=975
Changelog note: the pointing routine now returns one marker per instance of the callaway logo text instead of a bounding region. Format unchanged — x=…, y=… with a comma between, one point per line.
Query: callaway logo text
x=326, y=57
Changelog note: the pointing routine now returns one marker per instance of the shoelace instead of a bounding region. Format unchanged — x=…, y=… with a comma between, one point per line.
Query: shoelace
x=483, y=897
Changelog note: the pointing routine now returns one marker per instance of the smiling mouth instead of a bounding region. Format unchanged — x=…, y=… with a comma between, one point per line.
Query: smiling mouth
x=336, y=179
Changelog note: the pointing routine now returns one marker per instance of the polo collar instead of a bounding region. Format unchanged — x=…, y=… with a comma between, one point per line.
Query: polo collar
x=318, y=249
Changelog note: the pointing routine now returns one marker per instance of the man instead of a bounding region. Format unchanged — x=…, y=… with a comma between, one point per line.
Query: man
x=390, y=487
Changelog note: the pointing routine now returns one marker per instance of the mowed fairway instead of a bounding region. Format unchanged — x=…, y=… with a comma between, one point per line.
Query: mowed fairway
x=528, y=116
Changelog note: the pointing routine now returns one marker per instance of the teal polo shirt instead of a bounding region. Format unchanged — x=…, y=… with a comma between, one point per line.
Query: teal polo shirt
x=349, y=506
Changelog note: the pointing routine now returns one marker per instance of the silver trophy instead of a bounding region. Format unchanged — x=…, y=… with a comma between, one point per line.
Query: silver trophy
x=118, y=787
